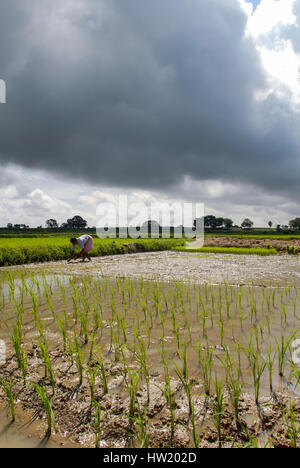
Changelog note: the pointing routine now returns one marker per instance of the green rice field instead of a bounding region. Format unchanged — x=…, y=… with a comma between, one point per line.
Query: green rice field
x=17, y=251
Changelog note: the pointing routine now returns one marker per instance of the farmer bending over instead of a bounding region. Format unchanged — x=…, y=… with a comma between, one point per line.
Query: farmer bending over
x=85, y=243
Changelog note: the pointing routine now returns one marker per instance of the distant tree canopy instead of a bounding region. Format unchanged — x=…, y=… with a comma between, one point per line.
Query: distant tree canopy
x=51, y=223
x=17, y=226
x=247, y=223
x=77, y=222
x=150, y=223
x=228, y=223
x=212, y=222
x=295, y=223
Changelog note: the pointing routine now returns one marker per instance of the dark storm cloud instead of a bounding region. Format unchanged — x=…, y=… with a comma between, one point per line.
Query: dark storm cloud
x=139, y=94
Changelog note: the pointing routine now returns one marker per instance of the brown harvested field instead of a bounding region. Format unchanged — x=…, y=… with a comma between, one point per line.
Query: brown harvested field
x=228, y=241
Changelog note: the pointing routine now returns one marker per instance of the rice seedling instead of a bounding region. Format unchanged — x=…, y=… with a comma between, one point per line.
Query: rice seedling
x=140, y=352
x=91, y=373
x=295, y=374
x=219, y=408
x=62, y=323
x=21, y=354
x=282, y=347
x=292, y=427
x=79, y=359
x=35, y=311
x=270, y=364
x=47, y=405
x=10, y=396
x=84, y=321
x=233, y=380
x=206, y=364
x=184, y=378
x=258, y=369
x=133, y=385
x=44, y=347
x=170, y=397
x=142, y=432
x=97, y=423
x=253, y=442
x=102, y=371
x=70, y=350
x=195, y=433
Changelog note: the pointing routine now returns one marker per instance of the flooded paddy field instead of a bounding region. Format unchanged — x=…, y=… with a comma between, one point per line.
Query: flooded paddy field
x=158, y=350
x=194, y=267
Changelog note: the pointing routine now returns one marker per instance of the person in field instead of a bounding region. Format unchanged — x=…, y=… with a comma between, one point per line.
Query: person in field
x=85, y=243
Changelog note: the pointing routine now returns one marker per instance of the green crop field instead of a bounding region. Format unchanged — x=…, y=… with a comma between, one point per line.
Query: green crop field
x=17, y=251
x=23, y=250
x=230, y=250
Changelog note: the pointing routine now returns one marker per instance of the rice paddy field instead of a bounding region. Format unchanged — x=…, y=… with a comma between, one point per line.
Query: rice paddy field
x=151, y=349
x=18, y=250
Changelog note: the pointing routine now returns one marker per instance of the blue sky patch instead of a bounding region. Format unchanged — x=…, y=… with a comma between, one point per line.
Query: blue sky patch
x=254, y=2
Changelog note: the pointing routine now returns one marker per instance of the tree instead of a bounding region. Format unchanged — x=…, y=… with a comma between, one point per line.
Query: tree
x=247, y=223
x=77, y=222
x=150, y=227
x=295, y=223
x=219, y=223
x=149, y=224
x=51, y=223
x=228, y=223
x=9, y=226
x=270, y=224
x=210, y=222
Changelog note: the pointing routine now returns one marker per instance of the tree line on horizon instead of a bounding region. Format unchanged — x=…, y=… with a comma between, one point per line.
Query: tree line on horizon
x=211, y=223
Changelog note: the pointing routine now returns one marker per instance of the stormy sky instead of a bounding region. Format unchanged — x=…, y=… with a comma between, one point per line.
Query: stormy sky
x=193, y=100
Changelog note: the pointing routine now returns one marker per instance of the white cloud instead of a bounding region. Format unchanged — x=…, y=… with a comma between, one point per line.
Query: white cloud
x=283, y=64
x=270, y=15
x=9, y=192
x=32, y=204
x=247, y=7
x=278, y=56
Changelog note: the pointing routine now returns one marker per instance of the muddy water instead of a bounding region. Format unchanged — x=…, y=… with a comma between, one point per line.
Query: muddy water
x=11, y=437
x=181, y=266
x=209, y=317
x=20, y=435
x=204, y=316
